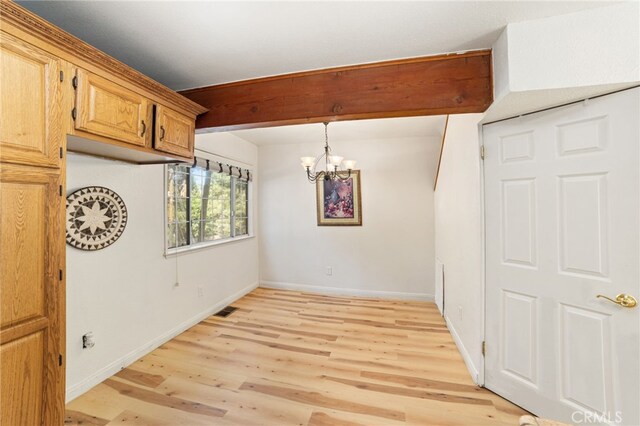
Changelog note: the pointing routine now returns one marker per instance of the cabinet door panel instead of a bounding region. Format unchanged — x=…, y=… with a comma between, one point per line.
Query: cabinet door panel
x=31, y=296
x=174, y=132
x=22, y=380
x=107, y=109
x=23, y=241
x=30, y=128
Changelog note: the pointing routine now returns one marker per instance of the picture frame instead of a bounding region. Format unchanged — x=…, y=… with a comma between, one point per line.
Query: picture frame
x=339, y=203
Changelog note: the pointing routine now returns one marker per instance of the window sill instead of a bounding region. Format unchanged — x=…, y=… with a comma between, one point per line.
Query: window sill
x=202, y=246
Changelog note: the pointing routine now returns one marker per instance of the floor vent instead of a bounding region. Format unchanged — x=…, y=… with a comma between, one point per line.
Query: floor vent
x=225, y=312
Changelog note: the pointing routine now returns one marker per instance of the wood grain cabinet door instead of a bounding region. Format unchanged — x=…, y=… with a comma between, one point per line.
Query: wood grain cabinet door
x=175, y=132
x=31, y=296
x=106, y=109
x=30, y=126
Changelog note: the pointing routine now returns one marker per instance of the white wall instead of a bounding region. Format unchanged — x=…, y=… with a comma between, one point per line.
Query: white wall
x=391, y=255
x=459, y=228
x=552, y=61
x=126, y=294
x=587, y=48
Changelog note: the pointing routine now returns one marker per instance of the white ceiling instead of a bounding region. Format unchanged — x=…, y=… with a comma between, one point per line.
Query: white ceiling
x=186, y=44
x=387, y=128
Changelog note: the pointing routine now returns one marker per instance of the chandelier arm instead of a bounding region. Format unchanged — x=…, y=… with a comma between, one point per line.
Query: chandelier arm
x=314, y=177
x=315, y=166
x=341, y=177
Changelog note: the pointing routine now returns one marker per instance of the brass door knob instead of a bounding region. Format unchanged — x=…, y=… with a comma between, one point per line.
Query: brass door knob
x=624, y=300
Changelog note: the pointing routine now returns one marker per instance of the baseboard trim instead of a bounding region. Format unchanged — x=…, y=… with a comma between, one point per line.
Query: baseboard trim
x=347, y=291
x=473, y=371
x=109, y=370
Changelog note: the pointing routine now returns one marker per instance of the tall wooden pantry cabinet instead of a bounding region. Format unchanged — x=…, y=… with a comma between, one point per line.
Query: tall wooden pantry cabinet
x=48, y=81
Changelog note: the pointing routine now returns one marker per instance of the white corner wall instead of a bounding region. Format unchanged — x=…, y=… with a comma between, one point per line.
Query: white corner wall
x=126, y=294
x=556, y=60
x=588, y=48
x=391, y=255
x=458, y=236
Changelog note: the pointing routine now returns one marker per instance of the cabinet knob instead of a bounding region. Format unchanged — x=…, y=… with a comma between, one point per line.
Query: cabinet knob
x=161, y=132
x=144, y=128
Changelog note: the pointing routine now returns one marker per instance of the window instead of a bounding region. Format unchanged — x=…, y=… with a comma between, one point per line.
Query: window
x=204, y=206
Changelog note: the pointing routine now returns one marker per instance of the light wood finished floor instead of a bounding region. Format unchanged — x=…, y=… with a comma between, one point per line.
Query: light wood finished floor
x=291, y=358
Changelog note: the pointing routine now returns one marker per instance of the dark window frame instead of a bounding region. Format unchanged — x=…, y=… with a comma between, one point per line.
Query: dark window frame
x=173, y=226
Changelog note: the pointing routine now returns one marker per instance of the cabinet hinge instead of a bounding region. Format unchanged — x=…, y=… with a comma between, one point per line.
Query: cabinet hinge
x=482, y=152
x=74, y=81
x=74, y=113
x=60, y=274
x=60, y=190
x=61, y=76
x=60, y=360
x=484, y=348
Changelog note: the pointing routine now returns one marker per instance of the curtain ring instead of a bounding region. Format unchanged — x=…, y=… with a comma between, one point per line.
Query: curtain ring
x=230, y=170
x=240, y=173
x=195, y=161
x=220, y=165
x=207, y=165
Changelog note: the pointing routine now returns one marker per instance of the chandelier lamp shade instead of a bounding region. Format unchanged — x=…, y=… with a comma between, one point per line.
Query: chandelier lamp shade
x=335, y=167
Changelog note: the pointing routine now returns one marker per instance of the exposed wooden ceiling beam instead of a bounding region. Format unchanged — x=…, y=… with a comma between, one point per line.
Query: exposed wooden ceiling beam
x=433, y=85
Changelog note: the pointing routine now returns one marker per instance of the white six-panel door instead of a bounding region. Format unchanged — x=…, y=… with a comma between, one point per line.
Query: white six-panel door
x=562, y=192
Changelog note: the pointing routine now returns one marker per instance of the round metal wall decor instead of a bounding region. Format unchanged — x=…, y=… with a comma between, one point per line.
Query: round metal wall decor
x=96, y=217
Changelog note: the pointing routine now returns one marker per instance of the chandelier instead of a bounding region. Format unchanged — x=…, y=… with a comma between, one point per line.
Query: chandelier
x=332, y=169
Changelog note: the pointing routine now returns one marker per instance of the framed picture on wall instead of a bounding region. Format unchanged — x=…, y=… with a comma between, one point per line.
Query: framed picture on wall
x=338, y=202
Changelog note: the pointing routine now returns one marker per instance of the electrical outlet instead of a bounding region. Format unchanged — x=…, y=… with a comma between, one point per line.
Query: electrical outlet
x=200, y=291
x=88, y=341
x=329, y=270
